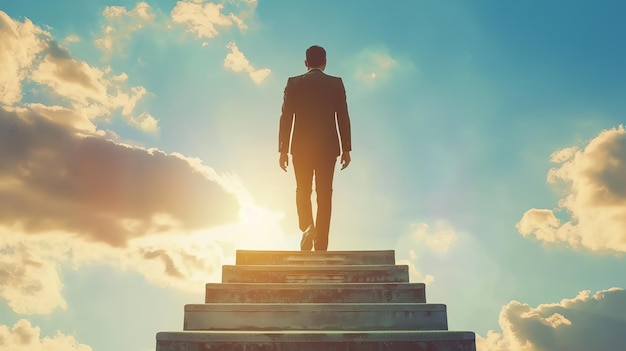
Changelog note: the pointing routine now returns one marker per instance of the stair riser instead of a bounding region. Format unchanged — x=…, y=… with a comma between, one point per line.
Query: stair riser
x=318, y=346
x=316, y=320
x=337, y=274
x=217, y=293
x=245, y=257
x=302, y=337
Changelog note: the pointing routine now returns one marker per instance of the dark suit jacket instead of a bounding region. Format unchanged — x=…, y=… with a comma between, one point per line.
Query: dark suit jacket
x=315, y=107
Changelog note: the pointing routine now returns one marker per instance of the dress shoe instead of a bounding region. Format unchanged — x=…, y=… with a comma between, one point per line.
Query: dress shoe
x=306, y=244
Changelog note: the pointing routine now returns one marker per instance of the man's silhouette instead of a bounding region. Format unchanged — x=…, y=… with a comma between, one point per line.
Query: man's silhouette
x=314, y=108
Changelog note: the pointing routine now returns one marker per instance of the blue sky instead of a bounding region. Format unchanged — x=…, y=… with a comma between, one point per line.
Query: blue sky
x=139, y=151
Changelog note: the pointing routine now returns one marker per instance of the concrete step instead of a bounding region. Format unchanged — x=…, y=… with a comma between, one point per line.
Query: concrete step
x=317, y=341
x=251, y=257
x=315, y=274
x=316, y=316
x=319, y=293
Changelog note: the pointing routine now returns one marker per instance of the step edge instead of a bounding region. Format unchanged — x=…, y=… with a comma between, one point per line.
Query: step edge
x=309, y=286
x=317, y=335
x=312, y=306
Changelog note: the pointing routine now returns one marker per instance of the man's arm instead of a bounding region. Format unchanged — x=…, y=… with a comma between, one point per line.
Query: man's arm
x=343, y=124
x=285, y=125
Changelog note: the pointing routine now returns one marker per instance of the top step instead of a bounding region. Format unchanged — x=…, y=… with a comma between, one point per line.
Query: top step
x=315, y=258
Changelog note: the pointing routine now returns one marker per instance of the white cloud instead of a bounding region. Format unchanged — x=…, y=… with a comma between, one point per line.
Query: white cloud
x=237, y=62
x=203, y=18
x=419, y=242
x=24, y=337
x=70, y=78
x=121, y=23
x=415, y=276
x=258, y=75
x=20, y=44
x=29, y=284
x=595, y=200
x=563, y=155
x=585, y=322
x=145, y=122
x=439, y=241
x=71, y=39
x=377, y=65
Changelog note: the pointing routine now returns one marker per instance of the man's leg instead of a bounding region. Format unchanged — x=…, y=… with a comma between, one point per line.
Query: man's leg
x=303, y=169
x=324, y=171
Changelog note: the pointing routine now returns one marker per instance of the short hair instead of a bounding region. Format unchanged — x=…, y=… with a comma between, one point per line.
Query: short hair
x=315, y=56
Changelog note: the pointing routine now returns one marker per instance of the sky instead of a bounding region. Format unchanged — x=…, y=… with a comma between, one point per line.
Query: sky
x=139, y=151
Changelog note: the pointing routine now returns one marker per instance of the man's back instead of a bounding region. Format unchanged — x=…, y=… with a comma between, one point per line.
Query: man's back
x=314, y=98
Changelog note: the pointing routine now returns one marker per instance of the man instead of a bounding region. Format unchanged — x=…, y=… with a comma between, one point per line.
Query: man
x=314, y=108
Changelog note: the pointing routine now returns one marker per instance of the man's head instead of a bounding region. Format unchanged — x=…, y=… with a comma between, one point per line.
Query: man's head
x=315, y=57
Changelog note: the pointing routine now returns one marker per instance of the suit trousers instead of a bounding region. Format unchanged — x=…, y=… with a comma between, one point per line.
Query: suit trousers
x=323, y=169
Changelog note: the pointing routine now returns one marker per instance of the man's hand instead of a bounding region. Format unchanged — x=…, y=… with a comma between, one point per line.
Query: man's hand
x=283, y=161
x=345, y=159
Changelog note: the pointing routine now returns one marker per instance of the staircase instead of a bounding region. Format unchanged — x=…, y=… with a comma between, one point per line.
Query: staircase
x=315, y=301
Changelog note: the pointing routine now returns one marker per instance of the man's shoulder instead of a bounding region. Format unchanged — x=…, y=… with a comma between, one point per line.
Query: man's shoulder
x=333, y=77
x=294, y=78
x=336, y=80
x=328, y=76
x=307, y=75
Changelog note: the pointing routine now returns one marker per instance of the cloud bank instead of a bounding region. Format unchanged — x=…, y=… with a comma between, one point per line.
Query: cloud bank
x=585, y=322
x=52, y=178
x=70, y=197
x=592, y=215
